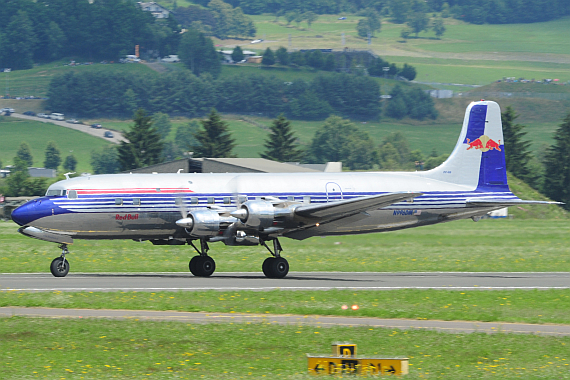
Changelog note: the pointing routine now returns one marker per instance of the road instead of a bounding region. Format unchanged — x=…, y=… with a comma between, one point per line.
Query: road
x=117, y=136
x=40, y=282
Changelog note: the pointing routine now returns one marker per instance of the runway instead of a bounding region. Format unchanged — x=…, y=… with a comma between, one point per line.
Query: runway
x=151, y=282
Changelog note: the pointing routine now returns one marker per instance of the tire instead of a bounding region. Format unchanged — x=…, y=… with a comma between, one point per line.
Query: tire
x=203, y=266
x=192, y=265
x=59, y=267
x=275, y=267
x=266, y=265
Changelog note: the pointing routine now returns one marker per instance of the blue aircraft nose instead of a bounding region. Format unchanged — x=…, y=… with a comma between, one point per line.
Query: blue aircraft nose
x=26, y=213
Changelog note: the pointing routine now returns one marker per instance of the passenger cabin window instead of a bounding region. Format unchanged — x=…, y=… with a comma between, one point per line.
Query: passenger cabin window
x=227, y=200
x=210, y=200
x=136, y=201
x=290, y=198
x=194, y=200
x=72, y=194
x=119, y=201
x=307, y=199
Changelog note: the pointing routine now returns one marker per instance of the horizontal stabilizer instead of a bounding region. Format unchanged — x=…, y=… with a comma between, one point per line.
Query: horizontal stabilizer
x=494, y=202
x=341, y=209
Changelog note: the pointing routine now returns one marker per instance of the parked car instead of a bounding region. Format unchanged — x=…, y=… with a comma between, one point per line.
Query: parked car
x=109, y=134
x=72, y=121
x=30, y=113
x=11, y=110
x=96, y=126
x=342, y=18
x=43, y=115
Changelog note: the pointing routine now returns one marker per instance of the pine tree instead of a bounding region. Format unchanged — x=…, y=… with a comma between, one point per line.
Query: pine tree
x=280, y=145
x=268, y=57
x=214, y=140
x=237, y=54
x=53, y=156
x=24, y=153
x=70, y=163
x=557, y=176
x=517, y=155
x=143, y=146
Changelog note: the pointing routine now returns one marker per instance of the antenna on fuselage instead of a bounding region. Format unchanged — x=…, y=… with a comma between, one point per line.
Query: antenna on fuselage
x=68, y=174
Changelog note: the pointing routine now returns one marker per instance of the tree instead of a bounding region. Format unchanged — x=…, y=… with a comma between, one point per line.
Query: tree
x=290, y=17
x=214, y=140
x=161, y=122
x=268, y=57
x=280, y=144
x=418, y=19
x=129, y=102
x=399, y=10
x=56, y=40
x=330, y=63
x=21, y=41
x=70, y=163
x=438, y=27
x=340, y=140
x=310, y=17
x=282, y=56
x=198, y=54
x=53, y=156
x=408, y=72
x=24, y=153
x=143, y=146
x=369, y=25
x=237, y=54
x=517, y=154
x=557, y=162
x=106, y=161
x=299, y=17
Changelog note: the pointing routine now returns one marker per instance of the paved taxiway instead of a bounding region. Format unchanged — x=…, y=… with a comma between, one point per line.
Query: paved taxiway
x=294, y=281
x=288, y=319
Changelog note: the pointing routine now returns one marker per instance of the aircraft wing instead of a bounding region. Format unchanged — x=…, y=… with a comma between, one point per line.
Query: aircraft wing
x=342, y=209
x=492, y=202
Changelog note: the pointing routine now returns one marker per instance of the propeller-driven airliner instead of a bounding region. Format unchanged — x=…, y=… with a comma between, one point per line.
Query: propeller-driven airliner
x=260, y=208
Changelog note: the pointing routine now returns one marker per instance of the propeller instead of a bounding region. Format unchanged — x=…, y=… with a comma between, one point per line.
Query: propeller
x=185, y=222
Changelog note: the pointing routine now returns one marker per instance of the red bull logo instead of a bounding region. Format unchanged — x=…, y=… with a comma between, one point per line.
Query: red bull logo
x=484, y=144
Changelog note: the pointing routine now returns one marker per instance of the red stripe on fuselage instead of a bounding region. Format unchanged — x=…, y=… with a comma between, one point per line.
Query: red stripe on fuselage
x=160, y=190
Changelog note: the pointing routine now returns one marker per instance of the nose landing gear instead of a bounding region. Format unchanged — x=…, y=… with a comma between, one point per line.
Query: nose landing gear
x=60, y=266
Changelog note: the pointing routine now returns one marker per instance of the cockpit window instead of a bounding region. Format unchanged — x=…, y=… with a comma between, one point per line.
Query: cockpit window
x=56, y=193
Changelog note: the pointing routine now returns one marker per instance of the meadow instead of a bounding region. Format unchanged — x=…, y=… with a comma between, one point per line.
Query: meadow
x=510, y=245
x=37, y=135
x=95, y=349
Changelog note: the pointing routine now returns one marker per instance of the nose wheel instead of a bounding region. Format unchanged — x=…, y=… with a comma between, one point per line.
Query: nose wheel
x=60, y=266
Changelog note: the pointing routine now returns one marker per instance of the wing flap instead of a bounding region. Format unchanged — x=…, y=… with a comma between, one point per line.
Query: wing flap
x=341, y=209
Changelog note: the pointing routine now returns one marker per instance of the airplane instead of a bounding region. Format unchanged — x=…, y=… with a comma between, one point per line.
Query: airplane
x=245, y=209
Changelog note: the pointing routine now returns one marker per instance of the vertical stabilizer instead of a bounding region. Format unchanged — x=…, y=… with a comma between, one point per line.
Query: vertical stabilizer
x=478, y=160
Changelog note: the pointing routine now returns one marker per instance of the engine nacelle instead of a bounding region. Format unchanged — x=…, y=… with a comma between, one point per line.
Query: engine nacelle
x=256, y=214
x=203, y=223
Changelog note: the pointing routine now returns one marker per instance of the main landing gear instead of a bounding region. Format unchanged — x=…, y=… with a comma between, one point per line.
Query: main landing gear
x=276, y=266
x=60, y=266
x=202, y=265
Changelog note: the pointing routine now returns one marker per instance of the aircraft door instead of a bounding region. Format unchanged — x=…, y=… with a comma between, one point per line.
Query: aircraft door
x=334, y=192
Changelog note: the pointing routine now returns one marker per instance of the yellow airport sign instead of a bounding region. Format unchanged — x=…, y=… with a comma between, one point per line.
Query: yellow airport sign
x=323, y=365
x=343, y=349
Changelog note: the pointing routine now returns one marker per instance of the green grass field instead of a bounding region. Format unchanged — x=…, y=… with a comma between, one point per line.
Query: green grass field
x=82, y=349
x=489, y=245
x=38, y=134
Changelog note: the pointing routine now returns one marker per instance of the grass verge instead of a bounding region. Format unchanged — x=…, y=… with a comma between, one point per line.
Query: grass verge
x=95, y=349
x=522, y=306
x=487, y=246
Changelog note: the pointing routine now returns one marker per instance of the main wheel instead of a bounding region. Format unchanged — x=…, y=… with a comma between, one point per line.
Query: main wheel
x=59, y=267
x=275, y=267
x=202, y=266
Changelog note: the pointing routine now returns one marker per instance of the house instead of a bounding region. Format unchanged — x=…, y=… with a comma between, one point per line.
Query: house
x=157, y=10
x=227, y=55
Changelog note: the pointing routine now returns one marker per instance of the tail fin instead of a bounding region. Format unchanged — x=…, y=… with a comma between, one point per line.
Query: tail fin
x=478, y=160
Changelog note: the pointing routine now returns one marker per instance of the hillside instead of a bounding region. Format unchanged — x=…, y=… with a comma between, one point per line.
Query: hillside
x=523, y=191
x=37, y=134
